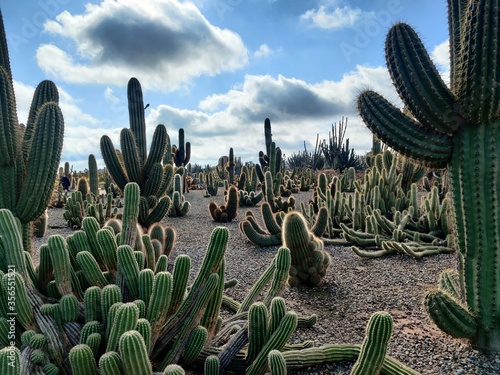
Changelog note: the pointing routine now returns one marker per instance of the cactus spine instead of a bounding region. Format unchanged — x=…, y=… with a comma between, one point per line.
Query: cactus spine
x=457, y=128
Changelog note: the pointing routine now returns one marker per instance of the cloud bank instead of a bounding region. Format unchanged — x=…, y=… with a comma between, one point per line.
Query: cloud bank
x=163, y=43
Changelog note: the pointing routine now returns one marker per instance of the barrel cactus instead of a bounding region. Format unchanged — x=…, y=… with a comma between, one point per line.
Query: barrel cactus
x=457, y=127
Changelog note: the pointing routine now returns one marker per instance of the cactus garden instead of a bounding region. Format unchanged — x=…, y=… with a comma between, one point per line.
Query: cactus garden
x=322, y=262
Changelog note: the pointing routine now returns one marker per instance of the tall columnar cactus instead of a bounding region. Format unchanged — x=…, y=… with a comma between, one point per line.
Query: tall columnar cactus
x=138, y=166
x=29, y=159
x=93, y=175
x=458, y=128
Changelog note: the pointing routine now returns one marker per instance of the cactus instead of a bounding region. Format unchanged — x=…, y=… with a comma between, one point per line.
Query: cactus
x=456, y=128
x=179, y=206
x=182, y=153
x=309, y=260
x=28, y=162
x=138, y=166
x=229, y=210
x=374, y=346
x=93, y=175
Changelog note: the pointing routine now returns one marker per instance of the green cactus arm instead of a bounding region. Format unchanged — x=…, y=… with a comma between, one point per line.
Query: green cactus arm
x=374, y=346
x=402, y=133
x=257, y=238
x=113, y=164
x=153, y=180
x=212, y=365
x=92, y=271
x=69, y=308
x=82, y=360
x=449, y=314
x=197, y=340
x=11, y=243
x=282, y=263
x=418, y=82
x=158, y=303
x=134, y=354
x=144, y=328
x=10, y=128
x=22, y=308
x=61, y=263
x=137, y=118
x=125, y=320
x=296, y=359
x=257, y=330
x=211, y=315
x=108, y=246
x=180, y=275
x=131, y=158
x=93, y=175
x=174, y=370
x=110, y=295
x=159, y=211
x=130, y=214
x=10, y=361
x=276, y=342
x=478, y=56
x=157, y=149
x=110, y=363
x=257, y=287
x=190, y=321
x=92, y=303
x=46, y=91
x=42, y=163
x=128, y=269
x=276, y=362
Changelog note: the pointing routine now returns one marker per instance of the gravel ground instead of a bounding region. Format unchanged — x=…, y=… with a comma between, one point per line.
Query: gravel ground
x=352, y=290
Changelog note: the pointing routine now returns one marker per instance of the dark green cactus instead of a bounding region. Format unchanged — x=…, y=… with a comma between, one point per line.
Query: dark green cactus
x=138, y=166
x=182, y=153
x=457, y=128
x=29, y=162
x=93, y=175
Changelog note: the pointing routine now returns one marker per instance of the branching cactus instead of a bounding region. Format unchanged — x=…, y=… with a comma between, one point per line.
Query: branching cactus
x=455, y=127
x=182, y=153
x=229, y=210
x=135, y=164
x=29, y=158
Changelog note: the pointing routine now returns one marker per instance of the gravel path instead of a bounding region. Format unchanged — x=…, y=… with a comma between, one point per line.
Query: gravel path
x=351, y=291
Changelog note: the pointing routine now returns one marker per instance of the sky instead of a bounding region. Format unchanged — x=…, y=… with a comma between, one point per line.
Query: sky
x=216, y=68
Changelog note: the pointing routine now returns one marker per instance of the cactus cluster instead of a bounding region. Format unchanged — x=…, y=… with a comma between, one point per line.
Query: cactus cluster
x=229, y=210
x=134, y=164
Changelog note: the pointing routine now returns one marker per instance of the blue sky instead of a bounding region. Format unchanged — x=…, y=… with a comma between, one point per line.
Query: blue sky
x=216, y=68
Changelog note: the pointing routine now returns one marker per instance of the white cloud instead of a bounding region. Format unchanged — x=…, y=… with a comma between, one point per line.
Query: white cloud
x=441, y=57
x=263, y=52
x=298, y=111
x=110, y=96
x=331, y=15
x=164, y=43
